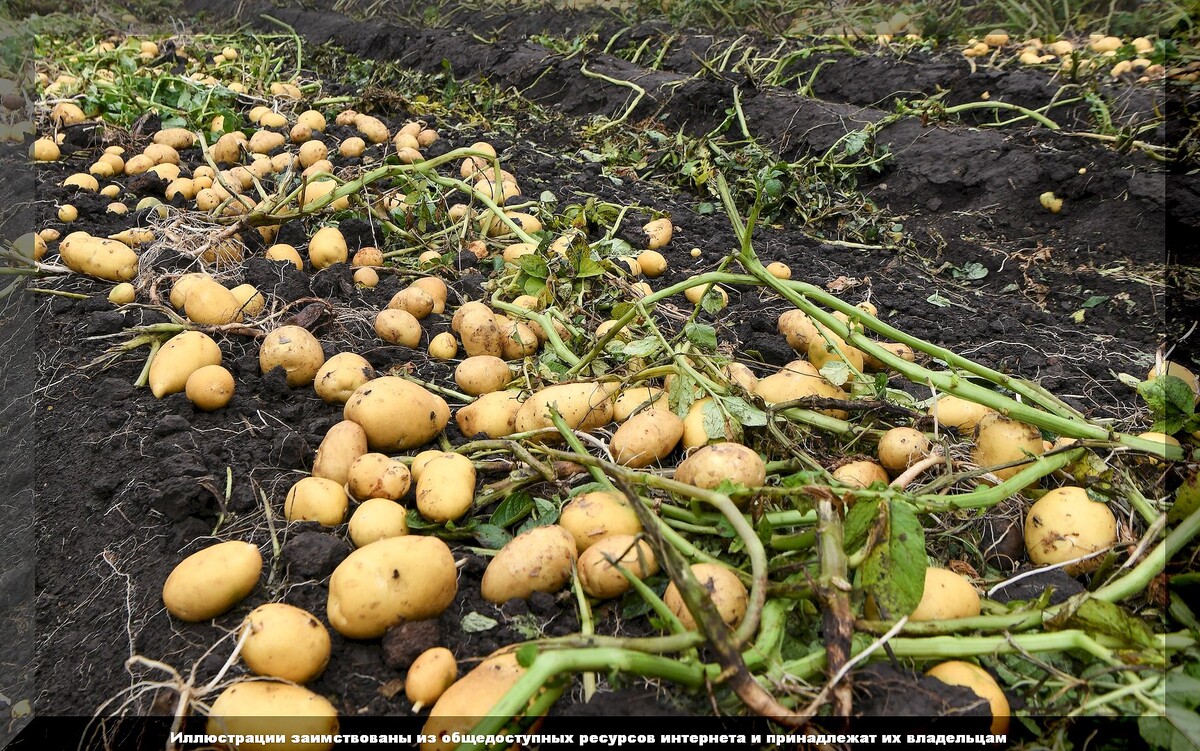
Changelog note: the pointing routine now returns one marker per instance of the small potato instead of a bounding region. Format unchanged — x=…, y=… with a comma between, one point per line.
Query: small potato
x=352, y=148
x=703, y=414
x=372, y=128
x=443, y=346
x=265, y=141
x=342, y=444
x=947, y=595
x=367, y=256
x=631, y=399
x=1000, y=440
x=779, y=270
x=727, y=592
x=446, y=488
x=900, y=448
x=658, y=233
x=958, y=413
x=327, y=247
x=312, y=152
x=98, y=257
x=316, y=499
x=470, y=699
x=182, y=355
x=122, y=294
x=860, y=474
x=211, y=581
x=284, y=641
x=437, y=289
x=493, y=414
x=712, y=465
x=647, y=437
x=210, y=388
x=251, y=300
x=285, y=252
x=341, y=375
x=584, y=406
x=591, y=517
x=377, y=475
x=652, y=263
x=413, y=300
x=398, y=327
x=44, y=150
x=294, y=349
x=377, y=519
x=482, y=374
x=742, y=375
x=540, y=560
x=598, y=572
x=397, y=414
x=409, y=578
x=366, y=277
x=269, y=709
x=958, y=673
x=429, y=676
x=1065, y=524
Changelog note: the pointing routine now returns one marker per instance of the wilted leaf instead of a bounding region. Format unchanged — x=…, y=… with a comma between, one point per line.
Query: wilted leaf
x=746, y=413
x=893, y=573
x=702, y=335
x=474, y=623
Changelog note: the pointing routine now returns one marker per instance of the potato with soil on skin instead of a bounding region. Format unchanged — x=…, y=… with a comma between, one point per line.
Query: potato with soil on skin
x=598, y=574
x=900, y=448
x=956, y=412
x=251, y=302
x=396, y=413
x=470, y=699
x=375, y=475
x=799, y=380
x=398, y=327
x=175, y=361
x=210, y=388
x=429, y=676
x=518, y=340
x=98, y=257
x=446, y=487
x=828, y=347
x=284, y=641
x=652, y=263
x=540, y=560
x=316, y=499
x=410, y=578
x=272, y=708
x=482, y=374
x=658, y=233
x=285, y=252
x=342, y=445
x=377, y=519
x=726, y=591
x=211, y=581
x=480, y=334
x=1000, y=440
x=414, y=301
x=583, y=406
x=958, y=673
x=630, y=399
x=646, y=438
x=860, y=474
x=294, y=349
x=873, y=364
x=1066, y=524
x=493, y=414
x=712, y=465
x=947, y=596
x=437, y=289
x=591, y=517
x=341, y=375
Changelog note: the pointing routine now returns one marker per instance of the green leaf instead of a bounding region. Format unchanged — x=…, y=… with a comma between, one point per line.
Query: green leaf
x=512, y=509
x=534, y=265
x=527, y=654
x=713, y=301
x=491, y=536
x=1178, y=730
x=893, y=573
x=588, y=266
x=1093, y=301
x=682, y=393
x=745, y=412
x=1098, y=617
x=705, y=208
x=836, y=372
x=714, y=421
x=642, y=347
x=702, y=335
x=474, y=623
x=1187, y=499
x=1171, y=401
x=858, y=523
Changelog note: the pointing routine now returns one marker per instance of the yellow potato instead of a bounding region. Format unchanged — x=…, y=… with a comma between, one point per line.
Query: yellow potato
x=584, y=406
x=493, y=414
x=284, y=641
x=397, y=578
x=726, y=591
x=860, y=474
x=398, y=327
x=397, y=414
x=630, y=399
x=480, y=335
x=659, y=233
x=652, y=263
x=540, y=560
x=712, y=465
x=482, y=374
x=182, y=355
x=798, y=329
x=947, y=596
x=429, y=676
x=211, y=581
x=695, y=429
x=900, y=448
x=599, y=576
x=122, y=294
x=316, y=499
x=210, y=303
x=378, y=476
x=958, y=673
x=327, y=247
x=957, y=412
x=591, y=517
x=832, y=348
x=446, y=488
x=271, y=708
x=99, y=257
x=210, y=387
x=414, y=301
x=342, y=444
x=1066, y=524
x=249, y=298
x=377, y=519
x=518, y=340
x=436, y=289
x=1000, y=440
x=294, y=349
x=646, y=438
x=341, y=375
x=470, y=699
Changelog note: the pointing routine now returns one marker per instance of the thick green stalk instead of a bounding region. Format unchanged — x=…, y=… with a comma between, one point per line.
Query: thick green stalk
x=1153, y=564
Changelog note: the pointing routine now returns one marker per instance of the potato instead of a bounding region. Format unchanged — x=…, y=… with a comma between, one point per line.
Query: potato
x=658, y=233
x=958, y=673
x=697, y=293
x=265, y=141
x=99, y=257
x=82, y=181
x=375, y=475
x=1065, y=524
x=44, y=150
x=959, y=413
x=695, y=430
x=316, y=499
x=210, y=303
x=493, y=414
x=480, y=335
x=429, y=676
x=742, y=375
x=122, y=294
x=647, y=437
x=342, y=444
x=249, y=298
x=378, y=519
x=211, y=581
x=414, y=301
x=443, y=346
x=1178, y=371
x=779, y=270
x=630, y=399
x=446, y=488
x=272, y=708
x=312, y=152
x=366, y=277
x=210, y=387
x=284, y=641
x=482, y=374
x=294, y=349
x=652, y=263
x=318, y=189
x=518, y=340
x=397, y=578
x=947, y=595
x=398, y=327
x=599, y=576
x=860, y=474
x=352, y=148
x=832, y=348
x=420, y=460
x=798, y=329
x=799, y=380
x=341, y=375
x=999, y=440
x=900, y=448
x=372, y=128
x=437, y=290
x=584, y=406
x=182, y=355
x=327, y=247
x=540, y=560
x=68, y=213
x=711, y=465
x=874, y=365
x=397, y=414
x=470, y=699
x=727, y=592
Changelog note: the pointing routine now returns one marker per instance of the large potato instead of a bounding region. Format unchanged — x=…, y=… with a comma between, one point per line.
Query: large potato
x=591, y=517
x=900, y=448
x=957, y=412
x=210, y=303
x=437, y=289
x=99, y=257
x=599, y=576
x=712, y=465
x=1000, y=440
x=378, y=476
x=480, y=334
x=397, y=414
x=316, y=499
x=1065, y=524
x=726, y=591
x=470, y=699
x=398, y=578
x=377, y=519
x=271, y=708
x=211, y=581
x=342, y=445
x=284, y=641
x=413, y=300
x=540, y=560
x=327, y=247
x=494, y=415
x=647, y=437
x=446, y=487
x=798, y=380
x=398, y=327
x=175, y=361
x=630, y=399
x=947, y=595
x=482, y=374
x=341, y=374
x=584, y=406
x=294, y=349
x=798, y=329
